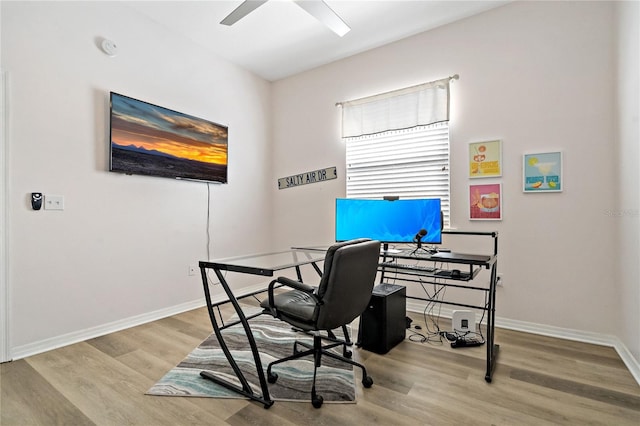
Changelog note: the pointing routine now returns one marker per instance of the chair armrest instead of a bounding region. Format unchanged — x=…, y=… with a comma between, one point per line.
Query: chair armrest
x=293, y=284
x=284, y=281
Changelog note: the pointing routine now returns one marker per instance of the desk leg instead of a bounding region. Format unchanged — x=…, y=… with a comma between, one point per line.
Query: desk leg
x=315, y=266
x=382, y=271
x=246, y=388
x=492, y=349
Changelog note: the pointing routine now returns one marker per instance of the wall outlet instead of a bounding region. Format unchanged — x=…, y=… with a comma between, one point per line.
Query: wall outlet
x=500, y=282
x=192, y=270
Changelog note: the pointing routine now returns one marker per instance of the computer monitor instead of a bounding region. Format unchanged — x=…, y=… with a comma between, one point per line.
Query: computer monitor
x=397, y=221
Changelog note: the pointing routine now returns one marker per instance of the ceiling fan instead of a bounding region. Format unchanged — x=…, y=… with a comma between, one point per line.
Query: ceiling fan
x=316, y=8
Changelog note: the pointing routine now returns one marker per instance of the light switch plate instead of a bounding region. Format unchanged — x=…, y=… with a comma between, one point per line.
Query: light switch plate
x=53, y=202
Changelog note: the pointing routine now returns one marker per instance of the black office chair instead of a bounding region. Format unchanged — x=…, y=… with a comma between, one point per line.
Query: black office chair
x=342, y=295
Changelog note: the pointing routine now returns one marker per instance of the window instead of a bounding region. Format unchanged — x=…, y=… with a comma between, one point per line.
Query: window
x=398, y=144
x=410, y=163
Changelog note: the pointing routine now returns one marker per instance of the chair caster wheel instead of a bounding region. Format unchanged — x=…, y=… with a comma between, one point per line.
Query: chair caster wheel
x=347, y=353
x=367, y=381
x=272, y=377
x=317, y=401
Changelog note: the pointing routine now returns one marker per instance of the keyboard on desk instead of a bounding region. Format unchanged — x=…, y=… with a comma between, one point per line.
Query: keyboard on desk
x=409, y=267
x=415, y=253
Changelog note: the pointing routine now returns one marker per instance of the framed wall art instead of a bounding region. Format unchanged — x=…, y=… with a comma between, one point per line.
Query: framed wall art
x=542, y=172
x=485, y=202
x=485, y=159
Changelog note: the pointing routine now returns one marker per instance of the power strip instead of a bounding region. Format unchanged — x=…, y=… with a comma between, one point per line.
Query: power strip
x=466, y=343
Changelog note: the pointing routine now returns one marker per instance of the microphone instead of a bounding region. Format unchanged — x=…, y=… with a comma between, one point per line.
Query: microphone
x=418, y=238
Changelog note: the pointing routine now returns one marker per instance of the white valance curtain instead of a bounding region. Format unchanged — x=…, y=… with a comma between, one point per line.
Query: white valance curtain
x=414, y=106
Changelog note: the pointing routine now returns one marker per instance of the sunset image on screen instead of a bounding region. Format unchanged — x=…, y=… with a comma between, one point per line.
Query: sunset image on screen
x=152, y=140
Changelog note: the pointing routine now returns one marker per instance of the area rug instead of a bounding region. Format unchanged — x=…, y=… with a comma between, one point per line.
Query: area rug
x=274, y=338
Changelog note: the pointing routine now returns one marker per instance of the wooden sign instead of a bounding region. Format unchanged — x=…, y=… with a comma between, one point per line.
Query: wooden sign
x=314, y=176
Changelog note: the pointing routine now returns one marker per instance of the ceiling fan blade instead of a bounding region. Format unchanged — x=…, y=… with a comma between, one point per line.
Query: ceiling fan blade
x=323, y=13
x=241, y=11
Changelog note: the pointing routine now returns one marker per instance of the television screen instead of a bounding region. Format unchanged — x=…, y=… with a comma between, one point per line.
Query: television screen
x=150, y=140
x=389, y=221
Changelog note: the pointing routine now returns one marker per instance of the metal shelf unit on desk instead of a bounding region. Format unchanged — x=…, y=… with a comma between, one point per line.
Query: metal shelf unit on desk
x=392, y=261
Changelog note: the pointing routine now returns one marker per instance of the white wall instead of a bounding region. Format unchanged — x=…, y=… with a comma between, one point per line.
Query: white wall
x=626, y=213
x=538, y=75
x=122, y=246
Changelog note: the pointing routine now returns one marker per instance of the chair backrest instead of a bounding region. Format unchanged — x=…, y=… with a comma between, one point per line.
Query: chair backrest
x=328, y=262
x=350, y=270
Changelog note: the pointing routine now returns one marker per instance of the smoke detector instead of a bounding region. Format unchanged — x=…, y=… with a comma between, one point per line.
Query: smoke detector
x=109, y=47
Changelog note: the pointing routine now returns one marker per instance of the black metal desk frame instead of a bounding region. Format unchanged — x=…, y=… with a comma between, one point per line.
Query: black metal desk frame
x=474, y=269
x=265, y=265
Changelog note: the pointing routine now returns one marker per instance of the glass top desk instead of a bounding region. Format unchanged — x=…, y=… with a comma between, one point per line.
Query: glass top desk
x=265, y=264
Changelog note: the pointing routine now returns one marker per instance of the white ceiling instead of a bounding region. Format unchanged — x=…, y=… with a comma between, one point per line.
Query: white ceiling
x=280, y=39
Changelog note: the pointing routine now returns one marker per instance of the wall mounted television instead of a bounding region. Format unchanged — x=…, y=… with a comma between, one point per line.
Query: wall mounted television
x=151, y=140
x=388, y=221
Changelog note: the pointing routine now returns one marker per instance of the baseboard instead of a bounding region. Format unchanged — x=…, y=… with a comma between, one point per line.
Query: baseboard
x=562, y=333
x=579, y=336
x=45, y=345
x=67, y=339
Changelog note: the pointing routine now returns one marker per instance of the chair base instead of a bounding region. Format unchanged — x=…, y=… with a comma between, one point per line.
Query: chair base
x=331, y=337
x=318, y=350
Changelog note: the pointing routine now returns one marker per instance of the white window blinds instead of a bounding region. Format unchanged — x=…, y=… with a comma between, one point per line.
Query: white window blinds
x=398, y=144
x=412, y=163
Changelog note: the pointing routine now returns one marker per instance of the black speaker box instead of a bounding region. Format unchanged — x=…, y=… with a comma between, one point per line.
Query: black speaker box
x=383, y=323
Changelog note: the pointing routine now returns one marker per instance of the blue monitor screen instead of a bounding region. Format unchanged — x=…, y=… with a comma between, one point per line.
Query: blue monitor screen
x=388, y=221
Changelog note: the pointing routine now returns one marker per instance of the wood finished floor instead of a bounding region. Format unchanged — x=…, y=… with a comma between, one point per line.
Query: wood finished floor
x=538, y=381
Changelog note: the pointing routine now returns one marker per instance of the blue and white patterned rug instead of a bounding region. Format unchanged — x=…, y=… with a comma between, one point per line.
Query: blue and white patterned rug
x=274, y=338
